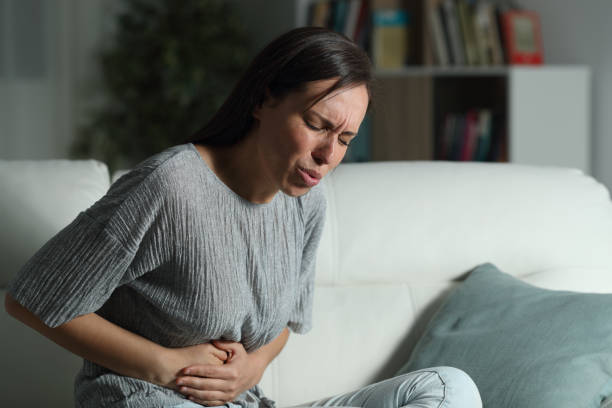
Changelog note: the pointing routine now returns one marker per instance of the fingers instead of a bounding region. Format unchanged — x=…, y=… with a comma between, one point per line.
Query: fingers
x=199, y=383
x=209, y=398
x=206, y=403
x=211, y=371
x=233, y=348
x=220, y=354
x=206, y=391
x=228, y=345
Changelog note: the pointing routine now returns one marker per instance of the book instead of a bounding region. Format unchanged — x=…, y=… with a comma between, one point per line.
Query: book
x=320, y=13
x=454, y=32
x=436, y=34
x=484, y=135
x=364, y=27
x=466, y=24
x=499, y=12
x=452, y=60
x=487, y=23
x=470, y=134
x=389, y=37
x=352, y=16
x=339, y=11
x=482, y=27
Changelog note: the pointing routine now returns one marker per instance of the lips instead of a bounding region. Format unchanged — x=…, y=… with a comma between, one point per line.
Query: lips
x=313, y=173
x=310, y=177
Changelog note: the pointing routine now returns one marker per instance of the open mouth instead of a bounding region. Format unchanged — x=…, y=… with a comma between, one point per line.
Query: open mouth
x=310, y=177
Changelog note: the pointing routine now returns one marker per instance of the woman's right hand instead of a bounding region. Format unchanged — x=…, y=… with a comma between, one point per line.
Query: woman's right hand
x=179, y=358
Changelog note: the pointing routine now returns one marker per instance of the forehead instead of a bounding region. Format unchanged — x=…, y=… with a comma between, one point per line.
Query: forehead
x=344, y=103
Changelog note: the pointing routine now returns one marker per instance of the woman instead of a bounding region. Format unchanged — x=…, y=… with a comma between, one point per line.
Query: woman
x=184, y=280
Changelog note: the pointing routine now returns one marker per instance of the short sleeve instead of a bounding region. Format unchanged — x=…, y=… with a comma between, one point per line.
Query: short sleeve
x=314, y=208
x=76, y=271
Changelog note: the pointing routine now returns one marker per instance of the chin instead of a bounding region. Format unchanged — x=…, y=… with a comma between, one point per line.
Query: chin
x=295, y=191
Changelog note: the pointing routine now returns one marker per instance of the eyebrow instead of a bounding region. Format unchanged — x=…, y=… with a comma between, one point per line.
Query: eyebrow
x=328, y=123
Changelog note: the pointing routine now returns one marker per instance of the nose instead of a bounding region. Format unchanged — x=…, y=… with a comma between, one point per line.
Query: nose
x=323, y=153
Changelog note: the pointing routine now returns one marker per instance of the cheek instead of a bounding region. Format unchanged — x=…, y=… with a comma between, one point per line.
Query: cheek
x=297, y=142
x=285, y=146
x=339, y=153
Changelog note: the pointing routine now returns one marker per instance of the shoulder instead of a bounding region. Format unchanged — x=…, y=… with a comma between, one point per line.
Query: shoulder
x=164, y=171
x=149, y=182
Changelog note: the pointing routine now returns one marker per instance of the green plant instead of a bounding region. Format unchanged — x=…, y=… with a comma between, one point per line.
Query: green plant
x=169, y=67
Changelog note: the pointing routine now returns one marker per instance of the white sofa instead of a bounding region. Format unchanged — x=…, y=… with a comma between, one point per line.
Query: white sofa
x=398, y=235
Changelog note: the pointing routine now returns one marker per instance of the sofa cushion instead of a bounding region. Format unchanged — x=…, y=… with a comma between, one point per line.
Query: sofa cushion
x=523, y=346
x=39, y=198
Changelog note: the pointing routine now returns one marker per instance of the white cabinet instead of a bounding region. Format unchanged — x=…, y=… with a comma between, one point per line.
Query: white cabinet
x=542, y=114
x=550, y=116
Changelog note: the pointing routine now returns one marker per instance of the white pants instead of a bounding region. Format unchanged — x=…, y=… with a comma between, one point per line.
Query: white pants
x=436, y=387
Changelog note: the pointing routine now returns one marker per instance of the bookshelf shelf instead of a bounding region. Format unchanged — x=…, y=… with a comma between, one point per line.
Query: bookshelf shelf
x=442, y=71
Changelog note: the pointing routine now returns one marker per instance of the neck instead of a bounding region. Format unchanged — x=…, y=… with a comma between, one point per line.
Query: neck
x=240, y=167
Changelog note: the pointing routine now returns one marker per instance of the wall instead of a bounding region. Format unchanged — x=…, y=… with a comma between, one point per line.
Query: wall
x=579, y=32
x=48, y=73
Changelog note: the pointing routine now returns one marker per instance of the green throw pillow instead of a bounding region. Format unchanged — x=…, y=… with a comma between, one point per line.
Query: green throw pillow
x=524, y=346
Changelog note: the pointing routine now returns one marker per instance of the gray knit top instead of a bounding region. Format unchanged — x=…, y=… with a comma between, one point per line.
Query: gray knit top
x=173, y=254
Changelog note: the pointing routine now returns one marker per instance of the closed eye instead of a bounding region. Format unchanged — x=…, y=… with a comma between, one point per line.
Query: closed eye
x=311, y=126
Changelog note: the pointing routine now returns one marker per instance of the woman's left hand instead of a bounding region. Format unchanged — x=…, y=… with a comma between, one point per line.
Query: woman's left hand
x=212, y=385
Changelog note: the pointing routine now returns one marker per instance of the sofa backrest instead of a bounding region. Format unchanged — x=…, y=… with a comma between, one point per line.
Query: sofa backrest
x=429, y=222
x=37, y=199
x=397, y=237
x=40, y=197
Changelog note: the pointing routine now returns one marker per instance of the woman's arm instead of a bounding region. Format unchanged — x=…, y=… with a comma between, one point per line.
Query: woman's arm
x=210, y=385
x=109, y=345
x=267, y=353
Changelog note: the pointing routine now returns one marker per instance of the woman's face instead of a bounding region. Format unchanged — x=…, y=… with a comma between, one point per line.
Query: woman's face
x=299, y=146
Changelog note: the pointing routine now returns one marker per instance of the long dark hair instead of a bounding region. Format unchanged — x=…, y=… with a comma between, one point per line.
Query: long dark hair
x=285, y=65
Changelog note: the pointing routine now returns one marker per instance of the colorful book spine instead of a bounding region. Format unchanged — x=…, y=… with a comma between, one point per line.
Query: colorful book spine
x=339, y=13
x=466, y=23
x=438, y=40
x=352, y=16
x=470, y=136
x=454, y=31
x=319, y=14
x=389, y=37
x=484, y=135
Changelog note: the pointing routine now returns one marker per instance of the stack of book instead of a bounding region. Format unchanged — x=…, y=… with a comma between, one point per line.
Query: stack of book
x=349, y=17
x=433, y=32
x=381, y=27
x=471, y=136
x=464, y=32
